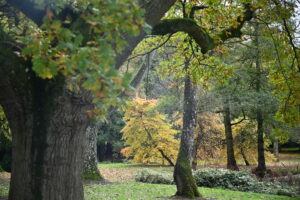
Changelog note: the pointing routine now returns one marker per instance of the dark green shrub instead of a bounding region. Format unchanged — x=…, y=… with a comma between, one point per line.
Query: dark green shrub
x=238, y=180
x=220, y=178
x=223, y=178
x=150, y=176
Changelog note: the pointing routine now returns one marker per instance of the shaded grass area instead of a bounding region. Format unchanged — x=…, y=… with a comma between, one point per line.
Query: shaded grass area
x=140, y=191
x=289, y=149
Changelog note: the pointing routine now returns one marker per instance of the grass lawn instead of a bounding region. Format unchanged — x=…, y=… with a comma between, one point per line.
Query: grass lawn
x=124, y=187
x=143, y=191
x=289, y=149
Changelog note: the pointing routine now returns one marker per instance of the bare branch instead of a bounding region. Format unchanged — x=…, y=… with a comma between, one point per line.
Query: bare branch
x=155, y=48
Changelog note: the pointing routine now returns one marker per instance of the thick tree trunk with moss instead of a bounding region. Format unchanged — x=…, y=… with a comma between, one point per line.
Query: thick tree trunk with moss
x=91, y=171
x=231, y=162
x=185, y=182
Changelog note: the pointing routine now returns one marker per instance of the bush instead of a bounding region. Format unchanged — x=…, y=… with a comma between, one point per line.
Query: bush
x=220, y=178
x=150, y=176
x=238, y=180
x=223, y=178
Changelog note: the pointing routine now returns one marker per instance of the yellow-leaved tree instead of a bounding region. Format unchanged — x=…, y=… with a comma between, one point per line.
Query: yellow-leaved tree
x=148, y=137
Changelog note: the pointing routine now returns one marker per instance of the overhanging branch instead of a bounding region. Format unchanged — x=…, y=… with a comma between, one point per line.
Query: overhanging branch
x=198, y=33
x=235, y=31
x=186, y=25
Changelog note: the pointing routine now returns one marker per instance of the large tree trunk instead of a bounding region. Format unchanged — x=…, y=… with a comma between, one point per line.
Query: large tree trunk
x=48, y=143
x=231, y=162
x=261, y=168
x=185, y=182
x=91, y=171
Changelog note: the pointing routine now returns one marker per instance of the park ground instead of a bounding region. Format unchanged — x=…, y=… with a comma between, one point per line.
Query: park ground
x=122, y=186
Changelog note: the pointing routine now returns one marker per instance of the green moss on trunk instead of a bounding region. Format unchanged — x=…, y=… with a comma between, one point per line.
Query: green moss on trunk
x=185, y=181
x=90, y=175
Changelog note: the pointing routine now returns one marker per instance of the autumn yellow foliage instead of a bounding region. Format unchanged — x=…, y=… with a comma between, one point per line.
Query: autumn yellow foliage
x=148, y=137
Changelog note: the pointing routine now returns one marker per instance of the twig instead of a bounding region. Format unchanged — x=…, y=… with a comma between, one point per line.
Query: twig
x=148, y=52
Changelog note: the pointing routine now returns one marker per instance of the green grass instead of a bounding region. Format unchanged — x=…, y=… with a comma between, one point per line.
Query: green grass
x=4, y=189
x=140, y=191
x=291, y=160
x=288, y=149
x=135, y=166
x=143, y=191
x=117, y=165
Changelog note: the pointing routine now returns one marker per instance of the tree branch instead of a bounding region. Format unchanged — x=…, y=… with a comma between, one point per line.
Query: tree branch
x=244, y=118
x=165, y=157
x=186, y=25
x=150, y=51
x=193, y=10
x=201, y=37
x=235, y=31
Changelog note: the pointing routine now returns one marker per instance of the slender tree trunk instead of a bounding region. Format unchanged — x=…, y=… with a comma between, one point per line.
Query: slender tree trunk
x=91, y=171
x=185, y=182
x=275, y=149
x=197, y=144
x=261, y=168
x=231, y=162
x=244, y=157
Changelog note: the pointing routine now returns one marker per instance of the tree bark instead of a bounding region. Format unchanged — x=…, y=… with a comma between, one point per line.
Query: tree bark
x=48, y=134
x=231, y=162
x=185, y=182
x=48, y=125
x=197, y=144
x=91, y=171
x=276, y=149
x=261, y=168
